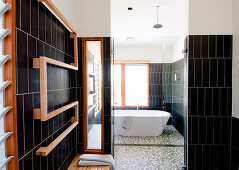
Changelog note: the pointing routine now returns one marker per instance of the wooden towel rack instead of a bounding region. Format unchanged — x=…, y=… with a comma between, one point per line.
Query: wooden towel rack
x=42, y=113
x=41, y=63
x=44, y=151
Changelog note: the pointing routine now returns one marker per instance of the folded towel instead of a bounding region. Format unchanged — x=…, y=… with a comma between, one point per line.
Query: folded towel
x=92, y=159
x=92, y=163
x=127, y=121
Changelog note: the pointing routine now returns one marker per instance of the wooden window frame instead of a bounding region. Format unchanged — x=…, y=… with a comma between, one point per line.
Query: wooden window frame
x=123, y=63
x=85, y=95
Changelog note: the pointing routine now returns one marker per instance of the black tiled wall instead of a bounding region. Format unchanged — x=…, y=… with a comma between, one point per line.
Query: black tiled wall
x=209, y=101
x=178, y=111
x=160, y=86
x=107, y=97
x=235, y=144
x=39, y=33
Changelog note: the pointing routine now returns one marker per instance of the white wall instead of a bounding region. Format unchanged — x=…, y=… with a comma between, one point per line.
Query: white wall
x=210, y=17
x=67, y=8
x=91, y=18
x=153, y=54
x=235, y=88
x=177, y=50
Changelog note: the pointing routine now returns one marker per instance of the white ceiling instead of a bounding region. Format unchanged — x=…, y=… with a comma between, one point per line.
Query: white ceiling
x=139, y=22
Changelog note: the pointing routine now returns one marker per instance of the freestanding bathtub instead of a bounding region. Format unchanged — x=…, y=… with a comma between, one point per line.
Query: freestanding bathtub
x=143, y=122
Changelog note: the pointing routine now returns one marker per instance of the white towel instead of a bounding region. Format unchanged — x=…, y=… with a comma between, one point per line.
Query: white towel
x=95, y=159
x=127, y=122
x=92, y=163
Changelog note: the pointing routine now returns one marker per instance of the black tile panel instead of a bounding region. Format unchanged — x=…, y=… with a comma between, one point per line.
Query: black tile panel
x=35, y=21
x=209, y=101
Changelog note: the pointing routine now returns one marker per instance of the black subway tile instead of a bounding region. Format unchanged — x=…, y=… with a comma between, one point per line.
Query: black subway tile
x=205, y=44
x=28, y=122
x=213, y=73
x=20, y=126
x=33, y=73
x=22, y=65
x=212, y=46
x=25, y=15
x=219, y=47
x=198, y=73
x=227, y=46
x=34, y=18
x=197, y=46
x=42, y=22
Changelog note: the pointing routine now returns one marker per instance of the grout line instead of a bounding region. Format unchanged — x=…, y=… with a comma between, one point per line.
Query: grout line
x=44, y=42
x=150, y=145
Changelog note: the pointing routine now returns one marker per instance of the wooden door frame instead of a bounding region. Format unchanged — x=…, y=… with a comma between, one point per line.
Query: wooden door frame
x=85, y=95
x=10, y=91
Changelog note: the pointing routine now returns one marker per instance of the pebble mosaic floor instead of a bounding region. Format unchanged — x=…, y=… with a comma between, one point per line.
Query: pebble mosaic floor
x=170, y=136
x=165, y=152
x=148, y=158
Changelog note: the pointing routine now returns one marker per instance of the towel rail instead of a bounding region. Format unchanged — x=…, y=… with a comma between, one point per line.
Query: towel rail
x=44, y=151
x=41, y=63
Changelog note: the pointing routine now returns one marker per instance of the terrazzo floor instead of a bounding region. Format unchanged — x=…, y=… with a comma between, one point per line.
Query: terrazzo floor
x=170, y=136
x=148, y=158
x=165, y=152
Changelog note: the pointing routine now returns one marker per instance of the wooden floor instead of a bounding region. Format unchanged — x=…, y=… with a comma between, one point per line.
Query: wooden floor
x=74, y=165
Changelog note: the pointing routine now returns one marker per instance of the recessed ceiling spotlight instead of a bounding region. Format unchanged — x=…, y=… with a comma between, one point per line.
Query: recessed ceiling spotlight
x=130, y=38
x=130, y=8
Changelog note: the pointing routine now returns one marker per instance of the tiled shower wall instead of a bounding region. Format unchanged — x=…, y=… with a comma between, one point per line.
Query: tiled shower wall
x=39, y=33
x=209, y=101
x=178, y=111
x=160, y=86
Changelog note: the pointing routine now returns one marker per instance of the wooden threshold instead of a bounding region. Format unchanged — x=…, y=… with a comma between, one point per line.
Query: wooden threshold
x=74, y=165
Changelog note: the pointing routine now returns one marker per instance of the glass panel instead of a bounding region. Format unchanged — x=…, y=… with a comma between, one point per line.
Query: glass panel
x=136, y=85
x=117, y=85
x=94, y=94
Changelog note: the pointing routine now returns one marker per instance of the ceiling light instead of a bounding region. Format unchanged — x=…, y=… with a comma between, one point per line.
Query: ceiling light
x=130, y=38
x=157, y=26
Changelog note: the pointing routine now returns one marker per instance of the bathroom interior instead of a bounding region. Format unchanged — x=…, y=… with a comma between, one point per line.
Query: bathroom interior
x=119, y=84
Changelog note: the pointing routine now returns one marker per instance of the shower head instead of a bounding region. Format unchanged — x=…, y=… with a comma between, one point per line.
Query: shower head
x=157, y=26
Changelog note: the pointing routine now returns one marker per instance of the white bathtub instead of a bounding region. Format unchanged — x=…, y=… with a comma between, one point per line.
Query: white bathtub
x=144, y=122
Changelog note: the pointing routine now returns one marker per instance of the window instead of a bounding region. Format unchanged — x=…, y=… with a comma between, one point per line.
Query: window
x=131, y=85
